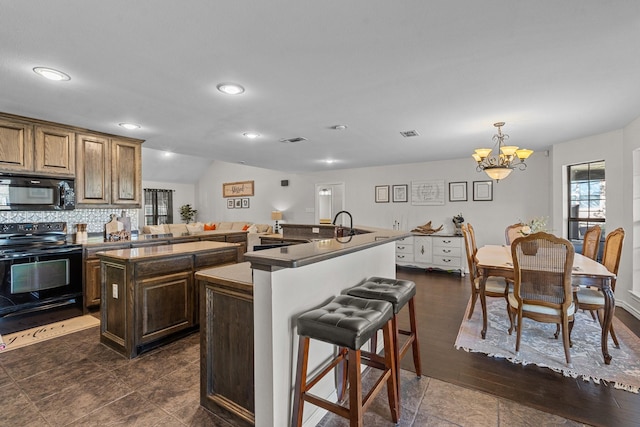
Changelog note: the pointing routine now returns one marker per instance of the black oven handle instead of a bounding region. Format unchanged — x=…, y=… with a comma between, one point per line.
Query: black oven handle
x=55, y=251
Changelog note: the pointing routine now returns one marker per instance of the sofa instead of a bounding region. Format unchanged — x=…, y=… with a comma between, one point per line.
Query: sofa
x=254, y=231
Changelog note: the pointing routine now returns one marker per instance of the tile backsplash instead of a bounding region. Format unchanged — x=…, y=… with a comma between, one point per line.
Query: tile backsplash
x=94, y=218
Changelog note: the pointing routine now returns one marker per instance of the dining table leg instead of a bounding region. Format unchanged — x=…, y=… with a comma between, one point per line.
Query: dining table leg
x=483, y=303
x=609, y=309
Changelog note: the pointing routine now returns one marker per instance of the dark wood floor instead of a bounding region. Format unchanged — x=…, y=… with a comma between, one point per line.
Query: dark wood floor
x=441, y=301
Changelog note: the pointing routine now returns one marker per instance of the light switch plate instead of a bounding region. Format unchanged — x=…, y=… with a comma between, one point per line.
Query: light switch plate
x=114, y=290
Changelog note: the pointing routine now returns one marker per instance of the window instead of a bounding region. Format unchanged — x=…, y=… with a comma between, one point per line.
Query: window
x=587, y=198
x=158, y=206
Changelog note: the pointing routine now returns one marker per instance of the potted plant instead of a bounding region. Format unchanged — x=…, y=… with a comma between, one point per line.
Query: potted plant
x=187, y=213
x=458, y=220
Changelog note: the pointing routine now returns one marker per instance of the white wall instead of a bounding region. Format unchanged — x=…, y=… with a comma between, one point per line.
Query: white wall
x=522, y=195
x=630, y=264
x=617, y=154
x=183, y=194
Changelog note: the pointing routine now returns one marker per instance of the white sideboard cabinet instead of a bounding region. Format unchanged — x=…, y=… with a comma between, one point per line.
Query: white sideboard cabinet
x=445, y=252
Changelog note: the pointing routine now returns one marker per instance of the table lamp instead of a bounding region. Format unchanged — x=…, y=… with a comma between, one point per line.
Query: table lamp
x=276, y=216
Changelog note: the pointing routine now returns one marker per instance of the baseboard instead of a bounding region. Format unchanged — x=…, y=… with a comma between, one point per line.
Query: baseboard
x=633, y=306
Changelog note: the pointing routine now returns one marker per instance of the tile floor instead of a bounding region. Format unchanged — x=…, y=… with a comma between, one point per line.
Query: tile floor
x=74, y=380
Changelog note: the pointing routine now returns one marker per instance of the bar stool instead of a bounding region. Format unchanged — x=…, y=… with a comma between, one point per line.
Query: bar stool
x=347, y=322
x=398, y=293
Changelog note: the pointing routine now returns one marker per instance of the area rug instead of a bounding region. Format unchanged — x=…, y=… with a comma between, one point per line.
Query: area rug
x=539, y=347
x=46, y=332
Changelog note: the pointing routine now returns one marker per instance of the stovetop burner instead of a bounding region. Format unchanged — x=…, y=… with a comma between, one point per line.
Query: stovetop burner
x=32, y=234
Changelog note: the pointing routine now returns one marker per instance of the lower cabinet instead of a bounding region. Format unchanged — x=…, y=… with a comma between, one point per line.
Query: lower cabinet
x=149, y=297
x=226, y=316
x=445, y=252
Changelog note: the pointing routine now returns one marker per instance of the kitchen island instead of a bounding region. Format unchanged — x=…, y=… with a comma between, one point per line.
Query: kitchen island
x=148, y=294
x=290, y=280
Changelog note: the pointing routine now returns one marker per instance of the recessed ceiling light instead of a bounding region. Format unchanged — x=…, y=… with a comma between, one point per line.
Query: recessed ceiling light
x=329, y=161
x=51, y=74
x=339, y=127
x=230, y=88
x=251, y=135
x=130, y=126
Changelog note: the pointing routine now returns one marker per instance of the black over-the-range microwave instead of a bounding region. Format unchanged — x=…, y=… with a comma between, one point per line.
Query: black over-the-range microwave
x=29, y=193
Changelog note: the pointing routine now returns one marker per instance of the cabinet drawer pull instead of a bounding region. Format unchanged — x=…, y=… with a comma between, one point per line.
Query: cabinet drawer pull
x=446, y=241
x=400, y=247
x=446, y=260
x=446, y=251
x=400, y=256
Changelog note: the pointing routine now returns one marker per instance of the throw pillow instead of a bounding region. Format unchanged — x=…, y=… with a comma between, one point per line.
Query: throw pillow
x=211, y=227
x=155, y=229
x=195, y=228
x=245, y=228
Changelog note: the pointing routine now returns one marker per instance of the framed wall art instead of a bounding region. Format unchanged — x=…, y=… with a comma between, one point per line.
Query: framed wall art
x=482, y=190
x=400, y=193
x=230, y=204
x=237, y=189
x=245, y=203
x=237, y=203
x=458, y=191
x=382, y=194
x=427, y=192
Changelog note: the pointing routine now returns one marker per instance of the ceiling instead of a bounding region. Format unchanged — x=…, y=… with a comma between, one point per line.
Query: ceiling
x=552, y=70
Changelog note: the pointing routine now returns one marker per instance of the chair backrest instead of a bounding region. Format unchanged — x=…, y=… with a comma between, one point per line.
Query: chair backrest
x=542, y=265
x=472, y=235
x=468, y=244
x=512, y=232
x=591, y=242
x=613, y=251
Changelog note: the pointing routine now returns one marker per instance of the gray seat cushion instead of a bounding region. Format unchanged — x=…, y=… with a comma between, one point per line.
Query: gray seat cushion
x=396, y=291
x=345, y=321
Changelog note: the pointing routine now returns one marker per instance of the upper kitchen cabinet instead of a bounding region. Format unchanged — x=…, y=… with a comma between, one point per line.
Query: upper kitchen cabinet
x=30, y=148
x=109, y=171
x=16, y=146
x=55, y=152
x=126, y=173
x=93, y=177
x=107, y=168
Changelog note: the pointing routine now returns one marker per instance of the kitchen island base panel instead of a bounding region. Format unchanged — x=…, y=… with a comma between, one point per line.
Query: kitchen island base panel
x=226, y=340
x=280, y=296
x=148, y=294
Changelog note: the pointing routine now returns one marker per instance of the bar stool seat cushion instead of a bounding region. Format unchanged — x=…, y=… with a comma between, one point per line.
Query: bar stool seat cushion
x=345, y=321
x=395, y=291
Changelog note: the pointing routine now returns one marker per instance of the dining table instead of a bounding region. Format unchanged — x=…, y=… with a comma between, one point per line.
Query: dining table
x=495, y=260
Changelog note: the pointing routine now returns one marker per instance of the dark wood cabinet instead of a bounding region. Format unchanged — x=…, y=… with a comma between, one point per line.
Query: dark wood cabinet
x=148, y=296
x=16, y=146
x=226, y=316
x=126, y=173
x=107, y=168
x=54, y=152
x=92, y=278
x=109, y=171
x=93, y=185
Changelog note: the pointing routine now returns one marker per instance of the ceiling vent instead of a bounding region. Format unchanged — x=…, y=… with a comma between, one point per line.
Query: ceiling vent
x=294, y=140
x=409, y=133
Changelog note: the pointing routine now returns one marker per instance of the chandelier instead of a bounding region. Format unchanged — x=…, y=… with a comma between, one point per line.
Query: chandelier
x=507, y=157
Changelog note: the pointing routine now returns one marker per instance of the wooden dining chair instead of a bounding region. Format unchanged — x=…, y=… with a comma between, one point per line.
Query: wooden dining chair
x=512, y=232
x=494, y=287
x=591, y=242
x=593, y=299
x=542, y=290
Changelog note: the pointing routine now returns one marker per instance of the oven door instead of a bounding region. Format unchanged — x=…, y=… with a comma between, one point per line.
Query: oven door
x=35, y=280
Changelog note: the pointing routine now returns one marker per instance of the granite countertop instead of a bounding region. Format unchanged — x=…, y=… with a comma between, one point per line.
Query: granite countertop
x=322, y=249
x=239, y=276
x=160, y=251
